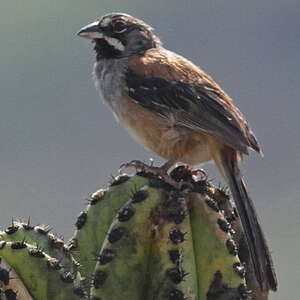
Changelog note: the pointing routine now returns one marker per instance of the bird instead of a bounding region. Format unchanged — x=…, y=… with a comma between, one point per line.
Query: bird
x=175, y=109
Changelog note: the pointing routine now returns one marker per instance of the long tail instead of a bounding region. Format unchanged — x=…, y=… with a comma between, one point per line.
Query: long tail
x=257, y=245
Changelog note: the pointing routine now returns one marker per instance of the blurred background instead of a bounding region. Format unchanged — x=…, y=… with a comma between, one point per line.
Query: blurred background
x=59, y=143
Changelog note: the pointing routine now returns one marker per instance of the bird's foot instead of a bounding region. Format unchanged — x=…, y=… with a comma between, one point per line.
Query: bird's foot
x=139, y=165
x=187, y=173
x=178, y=178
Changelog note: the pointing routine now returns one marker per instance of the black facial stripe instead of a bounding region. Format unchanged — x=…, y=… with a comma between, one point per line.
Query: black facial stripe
x=105, y=50
x=119, y=26
x=134, y=39
x=108, y=31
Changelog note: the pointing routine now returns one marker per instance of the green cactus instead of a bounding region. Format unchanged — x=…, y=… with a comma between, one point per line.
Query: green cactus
x=138, y=239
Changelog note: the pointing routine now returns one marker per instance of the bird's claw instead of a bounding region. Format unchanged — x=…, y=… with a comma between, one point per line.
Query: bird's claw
x=136, y=164
x=199, y=174
x=162, y=173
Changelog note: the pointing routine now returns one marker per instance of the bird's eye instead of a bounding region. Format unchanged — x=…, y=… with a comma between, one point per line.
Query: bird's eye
x=119, y=26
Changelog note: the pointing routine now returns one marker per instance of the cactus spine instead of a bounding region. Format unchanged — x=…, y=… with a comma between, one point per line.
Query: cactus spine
x=138, y=239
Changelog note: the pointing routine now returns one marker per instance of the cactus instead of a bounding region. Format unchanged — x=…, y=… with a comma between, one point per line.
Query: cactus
x=138, y=239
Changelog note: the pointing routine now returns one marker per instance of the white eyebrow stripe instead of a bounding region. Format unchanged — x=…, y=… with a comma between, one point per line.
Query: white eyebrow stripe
x=105, y=21
x=115, y=43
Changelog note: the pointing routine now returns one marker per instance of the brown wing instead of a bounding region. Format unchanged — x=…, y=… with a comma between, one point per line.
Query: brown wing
x=171, y=86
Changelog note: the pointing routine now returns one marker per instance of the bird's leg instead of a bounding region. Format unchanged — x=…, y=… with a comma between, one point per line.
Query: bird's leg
x=187, y=173
x=137, y=164
x=162, y=172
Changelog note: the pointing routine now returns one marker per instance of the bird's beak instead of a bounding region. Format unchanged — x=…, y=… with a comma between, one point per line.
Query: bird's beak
x=91, y=31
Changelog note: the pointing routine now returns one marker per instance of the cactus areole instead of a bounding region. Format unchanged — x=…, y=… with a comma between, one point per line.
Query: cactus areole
x=138, y=239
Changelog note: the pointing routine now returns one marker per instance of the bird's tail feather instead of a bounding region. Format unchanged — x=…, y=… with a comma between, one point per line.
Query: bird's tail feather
x=257, y=245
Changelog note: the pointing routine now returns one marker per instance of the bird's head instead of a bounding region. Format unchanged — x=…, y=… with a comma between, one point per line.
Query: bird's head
x=118, y=35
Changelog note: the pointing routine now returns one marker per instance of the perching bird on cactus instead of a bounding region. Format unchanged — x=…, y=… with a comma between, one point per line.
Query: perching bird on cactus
x=175, y=109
